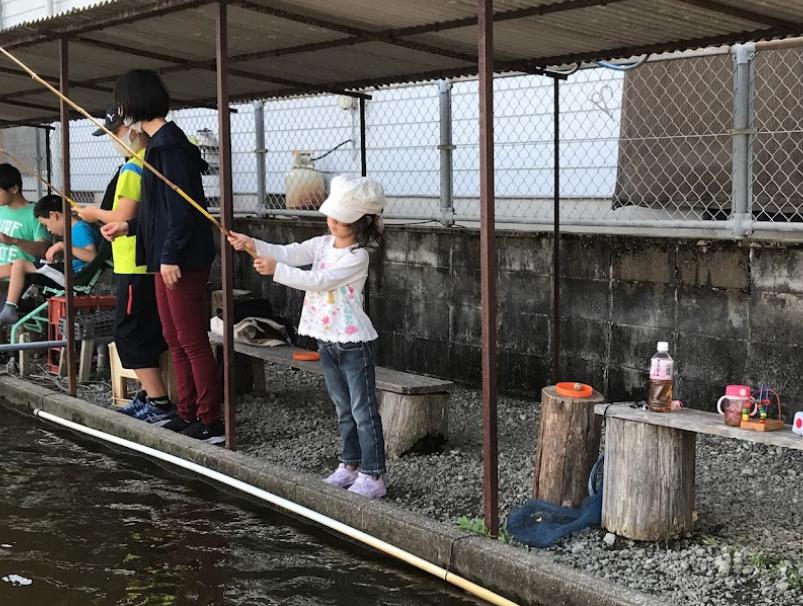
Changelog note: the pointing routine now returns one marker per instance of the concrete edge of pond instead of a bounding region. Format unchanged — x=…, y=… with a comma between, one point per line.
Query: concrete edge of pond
x=523, y=576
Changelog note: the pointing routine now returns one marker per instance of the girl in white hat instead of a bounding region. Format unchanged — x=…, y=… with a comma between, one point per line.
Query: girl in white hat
x=333, y=314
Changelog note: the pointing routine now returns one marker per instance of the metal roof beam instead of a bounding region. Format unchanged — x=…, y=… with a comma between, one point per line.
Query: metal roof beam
x=469, y=70
x=51, y=79
x=47, y=108
x=687, y=44
x=394, y=36
x=519, y=13
x=357, y=35
x=17, y=123
x=739, y=13
x=181, y=64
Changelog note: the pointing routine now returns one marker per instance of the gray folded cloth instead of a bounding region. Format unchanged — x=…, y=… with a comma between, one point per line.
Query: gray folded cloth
x=253, y=331
x=52, y=273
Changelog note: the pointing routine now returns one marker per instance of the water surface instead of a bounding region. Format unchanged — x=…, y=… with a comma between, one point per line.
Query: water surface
x=86, y=525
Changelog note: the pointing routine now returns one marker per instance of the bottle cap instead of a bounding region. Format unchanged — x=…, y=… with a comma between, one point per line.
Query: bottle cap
x=663, y=346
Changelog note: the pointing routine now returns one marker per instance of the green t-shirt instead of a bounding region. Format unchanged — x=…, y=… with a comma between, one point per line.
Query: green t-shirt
x=19, y=223
x=129, y=185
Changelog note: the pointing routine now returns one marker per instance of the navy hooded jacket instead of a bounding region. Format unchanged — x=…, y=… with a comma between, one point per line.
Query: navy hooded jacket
x=169, y=230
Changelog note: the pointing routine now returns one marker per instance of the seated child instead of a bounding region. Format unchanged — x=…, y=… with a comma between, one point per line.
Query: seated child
x=21, y=235
x=48, y=211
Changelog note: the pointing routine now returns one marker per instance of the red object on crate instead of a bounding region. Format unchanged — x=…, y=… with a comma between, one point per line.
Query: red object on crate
x=57, y=309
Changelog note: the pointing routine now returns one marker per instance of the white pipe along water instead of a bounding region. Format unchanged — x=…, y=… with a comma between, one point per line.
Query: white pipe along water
x=309, y=514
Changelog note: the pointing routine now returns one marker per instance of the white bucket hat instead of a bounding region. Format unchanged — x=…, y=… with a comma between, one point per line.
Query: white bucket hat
x=352, y=197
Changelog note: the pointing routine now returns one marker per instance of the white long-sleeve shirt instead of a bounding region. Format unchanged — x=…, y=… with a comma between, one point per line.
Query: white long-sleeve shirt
x=333, y=305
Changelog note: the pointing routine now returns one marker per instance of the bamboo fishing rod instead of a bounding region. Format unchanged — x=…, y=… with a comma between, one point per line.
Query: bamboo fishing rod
x=125, y=145
x=33, y=173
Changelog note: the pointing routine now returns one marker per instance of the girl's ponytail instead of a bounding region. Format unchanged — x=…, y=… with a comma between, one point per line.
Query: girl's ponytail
x=368, y=231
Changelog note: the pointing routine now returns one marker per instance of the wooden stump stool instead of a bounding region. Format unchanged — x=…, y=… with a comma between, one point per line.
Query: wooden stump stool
x=120, y=395
x=648, y=491
x=568, y=447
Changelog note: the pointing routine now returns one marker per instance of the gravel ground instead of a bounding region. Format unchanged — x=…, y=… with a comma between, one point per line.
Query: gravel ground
x=747, y=548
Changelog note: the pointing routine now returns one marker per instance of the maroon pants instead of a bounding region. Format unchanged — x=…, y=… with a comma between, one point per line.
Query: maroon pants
x=185, y=326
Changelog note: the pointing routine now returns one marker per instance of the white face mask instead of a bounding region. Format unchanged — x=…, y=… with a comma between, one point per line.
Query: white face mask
x=119, y=149
x=131, y=139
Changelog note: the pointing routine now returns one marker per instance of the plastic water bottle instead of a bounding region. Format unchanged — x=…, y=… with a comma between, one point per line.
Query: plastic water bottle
x=662, y=367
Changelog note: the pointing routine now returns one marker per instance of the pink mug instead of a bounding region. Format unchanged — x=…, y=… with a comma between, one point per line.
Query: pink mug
x=736, y=398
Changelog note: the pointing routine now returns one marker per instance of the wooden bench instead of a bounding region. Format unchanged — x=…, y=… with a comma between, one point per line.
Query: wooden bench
x=414, y=408
x=649, y=485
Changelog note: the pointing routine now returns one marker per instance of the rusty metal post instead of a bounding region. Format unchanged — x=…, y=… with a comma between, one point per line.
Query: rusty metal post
x=556, y=239
x=64, y=114
x=363, y=158
x=488, y=265
x=227, y=220
x=366, y=301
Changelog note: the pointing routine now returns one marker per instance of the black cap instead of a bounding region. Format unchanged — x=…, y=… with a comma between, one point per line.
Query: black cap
x=112, y=121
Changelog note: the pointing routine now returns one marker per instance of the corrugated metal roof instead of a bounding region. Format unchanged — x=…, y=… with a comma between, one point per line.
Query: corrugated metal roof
x=280, y=48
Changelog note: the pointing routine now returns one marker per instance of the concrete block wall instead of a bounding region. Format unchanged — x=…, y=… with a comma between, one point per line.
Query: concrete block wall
x=731, y=311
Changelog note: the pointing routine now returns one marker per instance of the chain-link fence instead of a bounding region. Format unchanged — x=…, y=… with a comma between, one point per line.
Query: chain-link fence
x=777, y=184
x=662, y=144
x=93, y=161
x=26, y=147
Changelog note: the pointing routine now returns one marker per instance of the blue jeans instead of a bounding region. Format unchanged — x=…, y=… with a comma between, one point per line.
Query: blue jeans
x=349, y=372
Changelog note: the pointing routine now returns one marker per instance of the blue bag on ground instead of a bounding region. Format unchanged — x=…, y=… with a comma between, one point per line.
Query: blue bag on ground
x=542, y=524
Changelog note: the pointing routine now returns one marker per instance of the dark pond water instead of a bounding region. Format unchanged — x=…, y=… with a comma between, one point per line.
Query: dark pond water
x=83, y=525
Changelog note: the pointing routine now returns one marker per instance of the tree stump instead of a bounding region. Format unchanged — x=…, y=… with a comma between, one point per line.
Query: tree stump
x=413, y=423
x=568, y=447
x=648, y=492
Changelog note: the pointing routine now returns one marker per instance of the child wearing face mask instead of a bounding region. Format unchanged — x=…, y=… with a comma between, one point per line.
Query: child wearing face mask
x=137, y=329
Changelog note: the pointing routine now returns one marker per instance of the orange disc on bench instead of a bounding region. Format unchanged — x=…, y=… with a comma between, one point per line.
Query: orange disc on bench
x=570, y=389
x=306, y=356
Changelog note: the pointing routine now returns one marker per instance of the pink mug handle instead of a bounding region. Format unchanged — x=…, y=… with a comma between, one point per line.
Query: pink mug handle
x=726, y=397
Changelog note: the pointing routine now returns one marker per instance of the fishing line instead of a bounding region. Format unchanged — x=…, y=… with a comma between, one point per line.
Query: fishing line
x=36, y=175
x=125, y=145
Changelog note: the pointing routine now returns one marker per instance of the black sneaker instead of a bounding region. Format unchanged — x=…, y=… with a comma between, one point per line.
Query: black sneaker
x=212, y=434
x=177, y=424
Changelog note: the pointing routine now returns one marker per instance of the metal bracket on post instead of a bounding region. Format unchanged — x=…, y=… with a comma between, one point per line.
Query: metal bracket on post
x=743, y=134
x=446, y=147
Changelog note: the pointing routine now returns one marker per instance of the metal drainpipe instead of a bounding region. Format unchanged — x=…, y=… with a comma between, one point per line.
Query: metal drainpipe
x=48, y=161
x=446, y=147
x=363, y=145
x=261, y=153
x=38, y=134
x=742, y=170
x=556, y=238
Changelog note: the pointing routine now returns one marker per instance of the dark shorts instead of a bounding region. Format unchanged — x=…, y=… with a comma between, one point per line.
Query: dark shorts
x=137, y=329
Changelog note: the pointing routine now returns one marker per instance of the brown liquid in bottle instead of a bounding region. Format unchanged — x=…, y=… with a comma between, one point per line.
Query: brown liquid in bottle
x=659, y=397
